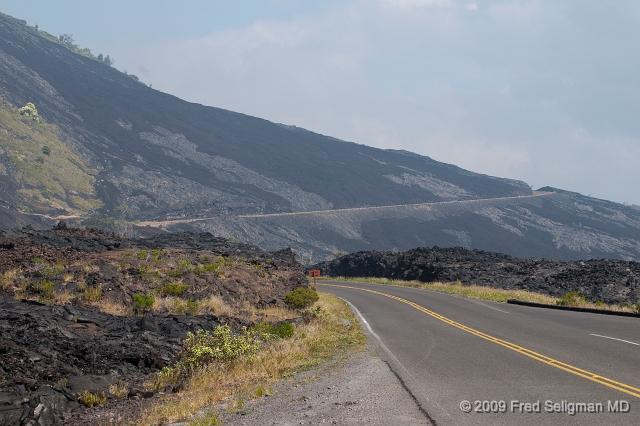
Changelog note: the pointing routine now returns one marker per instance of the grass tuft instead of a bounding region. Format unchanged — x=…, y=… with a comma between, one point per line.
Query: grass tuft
x=92, y=399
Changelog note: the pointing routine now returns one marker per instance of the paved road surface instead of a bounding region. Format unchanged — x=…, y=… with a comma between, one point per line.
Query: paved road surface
x=448, y=349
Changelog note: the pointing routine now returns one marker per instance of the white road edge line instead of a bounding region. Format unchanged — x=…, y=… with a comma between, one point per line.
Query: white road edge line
x=613, y=338
x=407, y=376
x=491, y=307
x=373, y=333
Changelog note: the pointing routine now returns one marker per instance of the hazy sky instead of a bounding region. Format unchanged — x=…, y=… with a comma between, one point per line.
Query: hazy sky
x=543, y=91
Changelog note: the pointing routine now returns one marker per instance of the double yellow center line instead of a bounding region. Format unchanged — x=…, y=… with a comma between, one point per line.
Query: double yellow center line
x=630, y=390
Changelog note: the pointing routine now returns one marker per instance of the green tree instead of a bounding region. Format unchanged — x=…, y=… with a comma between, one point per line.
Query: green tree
x=66, y=38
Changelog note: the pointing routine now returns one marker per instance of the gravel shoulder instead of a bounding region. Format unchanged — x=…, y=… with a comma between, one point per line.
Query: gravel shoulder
x=361, y=389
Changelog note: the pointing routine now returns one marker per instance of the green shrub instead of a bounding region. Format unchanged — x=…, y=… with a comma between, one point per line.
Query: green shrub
x=184, y=263
x=191, y=307
x=176, y=273
x=166, y=376
x=283, y=330
x=637, y=308
x=600, y=303
x=156, y=255
x=211, y=267
x=44, y=288
x=205, y=347
x=572, y=298
x=174, y=289
x=301, y=297
x=42, y=268
x=144, y=271
x=624, y=304
x=142, y=254
x=142, y=303
x=30, y=111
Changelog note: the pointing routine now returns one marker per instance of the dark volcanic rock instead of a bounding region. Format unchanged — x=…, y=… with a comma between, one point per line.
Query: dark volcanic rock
x=610, y=281
x=44, y=347
x=50, y=353
x=19, y=246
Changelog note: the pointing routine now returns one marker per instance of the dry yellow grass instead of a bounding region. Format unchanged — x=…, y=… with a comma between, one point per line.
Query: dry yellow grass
x=482, y=292
x=62, y=298
x=217, y=306
x=245, y=378
x=471, y=291
x=7, y=278
x=176, y=305
x=112, y=308
x=119, y=389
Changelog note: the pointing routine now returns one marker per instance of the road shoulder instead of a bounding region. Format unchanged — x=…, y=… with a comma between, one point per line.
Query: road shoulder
x=359, y=390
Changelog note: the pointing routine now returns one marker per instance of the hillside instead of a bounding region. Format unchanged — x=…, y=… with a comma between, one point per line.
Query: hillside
x=163, y=161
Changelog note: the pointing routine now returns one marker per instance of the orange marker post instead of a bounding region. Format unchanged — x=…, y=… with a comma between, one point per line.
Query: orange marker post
x=314, y=273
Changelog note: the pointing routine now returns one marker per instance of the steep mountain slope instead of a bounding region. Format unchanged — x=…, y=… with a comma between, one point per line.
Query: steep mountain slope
x=162, y=156
x=159, y=159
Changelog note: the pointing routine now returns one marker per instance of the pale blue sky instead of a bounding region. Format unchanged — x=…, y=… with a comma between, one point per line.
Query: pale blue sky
x=543, y=91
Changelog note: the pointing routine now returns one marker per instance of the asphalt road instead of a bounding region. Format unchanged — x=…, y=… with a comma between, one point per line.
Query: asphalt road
x=499, y=357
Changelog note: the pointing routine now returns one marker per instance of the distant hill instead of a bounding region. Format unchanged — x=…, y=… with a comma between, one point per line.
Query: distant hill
x=148, y=156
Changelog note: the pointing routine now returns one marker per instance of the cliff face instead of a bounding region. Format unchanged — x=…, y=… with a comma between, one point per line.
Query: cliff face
x=137, y=154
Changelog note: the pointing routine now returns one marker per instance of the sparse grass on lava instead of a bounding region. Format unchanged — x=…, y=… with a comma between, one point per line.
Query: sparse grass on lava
x=246, y=378
x=479, y=292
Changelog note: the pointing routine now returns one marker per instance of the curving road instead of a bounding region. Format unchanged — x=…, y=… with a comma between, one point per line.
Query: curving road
x=530, y=365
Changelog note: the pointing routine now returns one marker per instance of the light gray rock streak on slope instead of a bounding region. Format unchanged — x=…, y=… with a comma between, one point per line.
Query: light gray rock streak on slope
x=229, y=170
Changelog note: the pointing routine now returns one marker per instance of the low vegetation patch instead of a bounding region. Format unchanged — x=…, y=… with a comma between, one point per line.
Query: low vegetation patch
x=495, y=294
x=573, y=298
x=300, y=298
x=52, y=178
x=92, y=399
x=142, y=303
x=46, y=289
x=174, y=289
x=240, y=372
x=281, y=331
